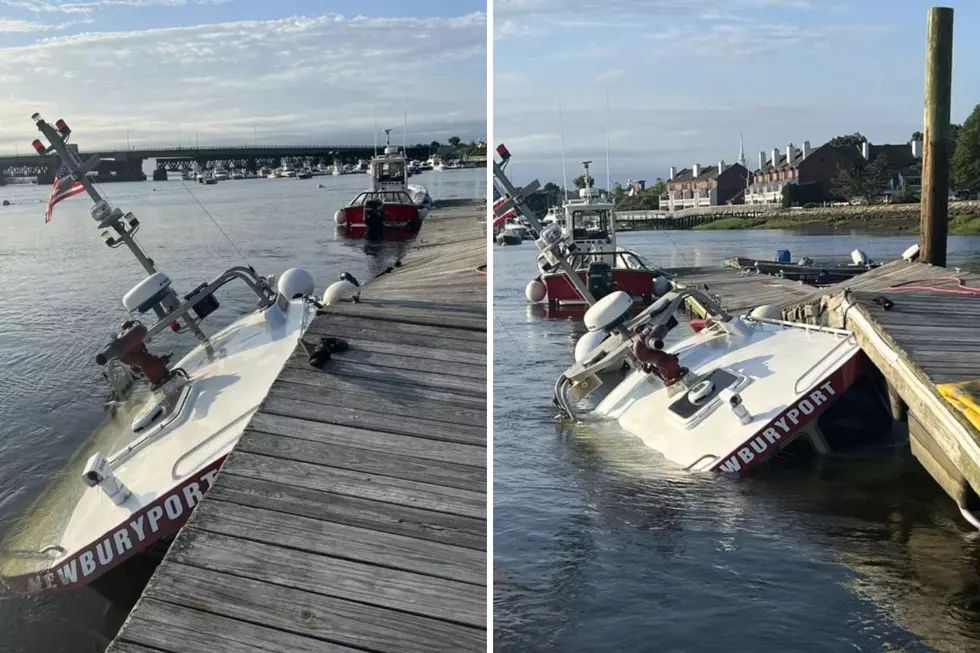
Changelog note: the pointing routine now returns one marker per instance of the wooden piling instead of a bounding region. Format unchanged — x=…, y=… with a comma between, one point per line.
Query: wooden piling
x=936, y=135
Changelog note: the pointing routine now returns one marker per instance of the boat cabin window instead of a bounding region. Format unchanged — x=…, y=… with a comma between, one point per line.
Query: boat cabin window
x=590, y=224
x=390, y=197
x=389, y=171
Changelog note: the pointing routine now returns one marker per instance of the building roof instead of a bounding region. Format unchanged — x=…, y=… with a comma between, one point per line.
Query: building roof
x=899, y=156
x=682, y=175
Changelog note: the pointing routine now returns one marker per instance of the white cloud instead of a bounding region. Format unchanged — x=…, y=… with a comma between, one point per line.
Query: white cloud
x=311, y=78
x=579, y=9
x=46, y=6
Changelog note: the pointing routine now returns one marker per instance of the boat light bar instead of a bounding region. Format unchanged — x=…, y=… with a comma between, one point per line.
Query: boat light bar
x=38, y=146
x=63, y=128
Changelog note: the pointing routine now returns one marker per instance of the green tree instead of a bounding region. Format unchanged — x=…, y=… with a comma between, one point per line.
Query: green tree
x=916, y=136
x=965, y=164
x=553, y=193
x=618, y=192
x=434, y=146
x=647, y=199
x=853, y=140
x=455, y=141
x=865, y=182
x=580, y=181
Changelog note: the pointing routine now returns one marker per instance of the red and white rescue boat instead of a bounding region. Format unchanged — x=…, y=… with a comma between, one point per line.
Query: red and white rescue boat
x=138, y=477
x=390, y=203
x=588, y=227
x=728, y=397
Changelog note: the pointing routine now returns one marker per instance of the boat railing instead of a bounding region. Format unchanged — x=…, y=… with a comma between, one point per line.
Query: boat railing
x=173, y=470
x=708, y=456
x=846, y=340
x=257, y=284
x=44, y=552
x=120, y=378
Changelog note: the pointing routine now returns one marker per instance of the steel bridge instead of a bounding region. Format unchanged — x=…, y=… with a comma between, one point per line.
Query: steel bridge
x=127, y=164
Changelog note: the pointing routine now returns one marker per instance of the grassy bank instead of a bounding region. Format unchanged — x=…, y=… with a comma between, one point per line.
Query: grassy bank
x=964, y=218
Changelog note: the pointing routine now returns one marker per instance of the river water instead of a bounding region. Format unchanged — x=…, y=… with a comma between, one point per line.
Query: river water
x=60, y=298
x=599, y=544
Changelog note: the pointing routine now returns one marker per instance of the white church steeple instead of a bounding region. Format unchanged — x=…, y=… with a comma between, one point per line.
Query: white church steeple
x=741, y=151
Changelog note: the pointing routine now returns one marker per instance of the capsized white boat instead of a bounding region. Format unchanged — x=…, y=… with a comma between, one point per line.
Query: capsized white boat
x=724, y=399
x=143, y=471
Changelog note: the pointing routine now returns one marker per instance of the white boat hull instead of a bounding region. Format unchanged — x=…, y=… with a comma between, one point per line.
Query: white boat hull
x=785, y=375
x=167, y=468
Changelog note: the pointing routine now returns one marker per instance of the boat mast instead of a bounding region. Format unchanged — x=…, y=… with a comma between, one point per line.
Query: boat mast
x=103, y=212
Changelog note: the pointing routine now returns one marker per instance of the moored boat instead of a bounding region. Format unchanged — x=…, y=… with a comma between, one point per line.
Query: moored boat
x=170, y=426
x=586, y=228
x=390, y=203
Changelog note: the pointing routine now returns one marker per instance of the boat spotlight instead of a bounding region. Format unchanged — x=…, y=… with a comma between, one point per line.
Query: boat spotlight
x=38, y=146
x=98, y=473
x=63, y=128
x=36, y=118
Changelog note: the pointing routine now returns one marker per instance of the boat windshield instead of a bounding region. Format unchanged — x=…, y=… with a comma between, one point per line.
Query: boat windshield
x=388, y=197
x=389, y=171
x=590, y=224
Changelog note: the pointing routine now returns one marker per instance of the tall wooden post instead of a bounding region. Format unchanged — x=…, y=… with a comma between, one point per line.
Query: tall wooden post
x=936, y=136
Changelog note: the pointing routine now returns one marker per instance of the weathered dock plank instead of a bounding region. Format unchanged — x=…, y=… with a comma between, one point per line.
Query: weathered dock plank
x=739, y=292
x=352, y=514
x=913, y=346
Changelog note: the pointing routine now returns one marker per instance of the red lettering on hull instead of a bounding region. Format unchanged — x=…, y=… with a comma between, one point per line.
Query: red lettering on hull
x=152, y=523
x=783, y=428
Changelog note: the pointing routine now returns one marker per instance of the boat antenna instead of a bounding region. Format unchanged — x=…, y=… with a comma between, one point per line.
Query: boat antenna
x=405, y=128
x=588, y=185
x=375, y=108
x=608, y=187
x=561, y=134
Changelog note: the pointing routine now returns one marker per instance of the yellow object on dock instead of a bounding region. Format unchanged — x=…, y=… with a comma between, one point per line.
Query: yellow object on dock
x=965, y=397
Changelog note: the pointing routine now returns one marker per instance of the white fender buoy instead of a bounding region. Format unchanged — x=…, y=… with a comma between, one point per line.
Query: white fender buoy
x=535, y=291
x=587, y=343
x=295, y=282
x=767, y=312
x=660, y=286
x=339, y=291
x=339, y=217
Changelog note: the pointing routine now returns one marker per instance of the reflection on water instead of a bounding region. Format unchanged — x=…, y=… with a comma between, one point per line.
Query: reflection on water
x=599, y=544
x=61, y=291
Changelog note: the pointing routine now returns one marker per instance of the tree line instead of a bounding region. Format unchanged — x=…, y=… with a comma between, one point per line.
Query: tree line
x=963, y=150
x=459, y=148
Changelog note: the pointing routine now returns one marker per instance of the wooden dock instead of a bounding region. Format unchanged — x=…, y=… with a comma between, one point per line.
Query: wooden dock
x=352, y=514
x=925, y=338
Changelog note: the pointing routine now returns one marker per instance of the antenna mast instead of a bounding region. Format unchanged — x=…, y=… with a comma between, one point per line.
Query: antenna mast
x=375, y=108
x=588, y=184
x=608, y=185
x=405, y=129
x=561, y=132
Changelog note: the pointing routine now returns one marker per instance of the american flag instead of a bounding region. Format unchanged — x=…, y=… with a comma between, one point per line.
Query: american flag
x=63, y=194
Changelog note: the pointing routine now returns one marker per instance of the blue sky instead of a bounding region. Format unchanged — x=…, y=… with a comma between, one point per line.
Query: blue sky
x=684, y=78
x=230, y=71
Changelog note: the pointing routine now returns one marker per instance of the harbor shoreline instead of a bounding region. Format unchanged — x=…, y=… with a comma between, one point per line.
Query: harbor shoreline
x=964, y=218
